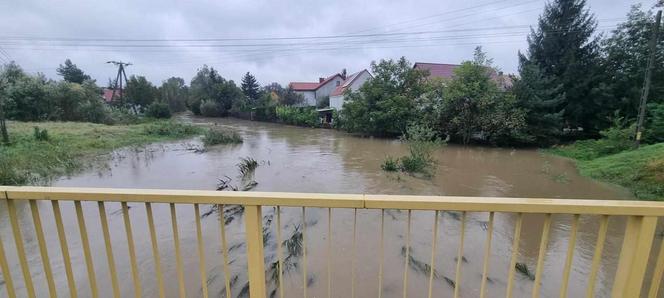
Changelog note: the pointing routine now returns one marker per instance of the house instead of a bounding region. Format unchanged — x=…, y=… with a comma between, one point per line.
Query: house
x=107, y=95
x=315, y=92
x=446, y=71
x=353, y=83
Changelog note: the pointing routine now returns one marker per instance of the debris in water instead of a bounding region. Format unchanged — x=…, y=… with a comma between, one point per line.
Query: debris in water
x=463, y=259
x=417, y=265
x=450, y=282
x=523, y=269
x=250, y=185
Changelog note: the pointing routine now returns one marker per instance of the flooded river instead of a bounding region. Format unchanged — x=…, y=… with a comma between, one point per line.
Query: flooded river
x=325, y=161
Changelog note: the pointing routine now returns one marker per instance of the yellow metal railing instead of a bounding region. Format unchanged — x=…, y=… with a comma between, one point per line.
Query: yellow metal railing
x=639, y=235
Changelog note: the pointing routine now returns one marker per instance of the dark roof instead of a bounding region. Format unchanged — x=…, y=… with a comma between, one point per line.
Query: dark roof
x=437, y=70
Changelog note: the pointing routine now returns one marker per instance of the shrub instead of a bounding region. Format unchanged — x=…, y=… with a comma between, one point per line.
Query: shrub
x=41, y=134
x=216, y=136
x=614, y=140
x=158, y=110
x=211, y=109
x=390, y=164
x=654, y=132
x=301, y=116
x=119, y=115
x=171, y=129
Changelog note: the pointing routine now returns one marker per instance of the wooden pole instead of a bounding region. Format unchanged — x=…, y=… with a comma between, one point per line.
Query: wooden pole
x=646, y=84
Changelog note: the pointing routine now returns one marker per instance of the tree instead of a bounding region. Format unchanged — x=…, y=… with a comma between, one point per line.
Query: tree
x=71, y=73
x=291, y=98
x=208, y=85
x=3, y=122
x=250, y=88
x=140, y=93
x=174, y=92
x=385, y=105
x=565, y=51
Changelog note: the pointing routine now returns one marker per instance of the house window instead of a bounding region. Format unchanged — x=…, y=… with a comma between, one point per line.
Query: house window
x=338, y=83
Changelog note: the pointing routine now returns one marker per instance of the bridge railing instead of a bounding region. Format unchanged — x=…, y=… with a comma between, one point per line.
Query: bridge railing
x=637, y=243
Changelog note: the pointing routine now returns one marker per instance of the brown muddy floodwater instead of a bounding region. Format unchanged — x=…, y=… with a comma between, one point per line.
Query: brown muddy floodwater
x=326, y=161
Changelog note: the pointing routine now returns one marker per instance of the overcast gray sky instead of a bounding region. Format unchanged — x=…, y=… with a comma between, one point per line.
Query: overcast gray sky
x=164, y=38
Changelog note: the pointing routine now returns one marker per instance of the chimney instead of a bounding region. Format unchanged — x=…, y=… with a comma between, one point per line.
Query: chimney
x=343, y=73
x=320, y=80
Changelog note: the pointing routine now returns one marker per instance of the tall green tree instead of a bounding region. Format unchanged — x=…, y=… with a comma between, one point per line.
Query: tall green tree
x=250, y=88
x=71, y=73
x=209, y=86
x=140, y=93
x=385, y=105
x=625, y=59
x=565, y=50
x=3, y=121
x=174, y=92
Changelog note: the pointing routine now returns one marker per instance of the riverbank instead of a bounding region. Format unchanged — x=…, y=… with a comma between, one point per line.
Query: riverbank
x=641, y=170
x=68, y=146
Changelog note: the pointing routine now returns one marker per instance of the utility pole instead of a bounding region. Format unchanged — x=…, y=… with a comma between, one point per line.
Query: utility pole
x=118, y=78
x=646, y=83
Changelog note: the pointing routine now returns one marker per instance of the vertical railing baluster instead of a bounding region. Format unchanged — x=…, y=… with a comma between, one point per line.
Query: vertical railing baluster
x=178, y=255
x=85, y=242
x=406, y=261
x=570, y=256
x=634, y=255
x=353, y=255
x=64, y=248
x=515, y=254
x=304, y=251
x=224, y=249
x=280, y=256
x=544, y=241
x=329, y=252
x=109, y=249
x=487, y=255
x=155, y=250
x=434, y=240
x=597, y=256
x=457, y=281
x=9, y=282
x=381, y=252
x=255, y=256
x=201, y=250
x=46, y=263
x=18, y=240
x=658, y=272
x=132, y=250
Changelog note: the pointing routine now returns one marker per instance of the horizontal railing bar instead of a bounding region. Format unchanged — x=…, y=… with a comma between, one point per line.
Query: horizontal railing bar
x=452, y=203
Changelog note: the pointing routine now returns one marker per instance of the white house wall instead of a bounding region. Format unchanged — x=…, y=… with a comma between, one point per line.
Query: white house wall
x=337, y=102
x=327, y=89
x=309, y=97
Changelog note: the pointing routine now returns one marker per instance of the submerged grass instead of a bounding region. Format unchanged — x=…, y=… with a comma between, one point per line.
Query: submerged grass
x=29, y=161
x=641, y=170
x=216, y=136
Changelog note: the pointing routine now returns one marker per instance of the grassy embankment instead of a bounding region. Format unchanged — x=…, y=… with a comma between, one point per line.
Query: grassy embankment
x=640, y=170
x=70, y=145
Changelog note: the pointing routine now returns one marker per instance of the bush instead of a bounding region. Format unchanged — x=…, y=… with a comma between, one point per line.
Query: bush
x=118, y=115
x=211, y=109
x=158, y=110
x=215, y=136
x=616, y=139
x=390, y=164
x=422, y=141
x=301, y=116
x=41, y=135
x=654, y=132
x=171, y=129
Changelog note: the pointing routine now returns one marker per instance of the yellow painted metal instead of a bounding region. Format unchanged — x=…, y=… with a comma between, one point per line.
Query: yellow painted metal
x=570, y=255
x=304, y=252
x=597, y=256
x=85, y=242
x=353, y=255
x=178, y=255
x=18, y=240
x=280, y=255
x=201, y=250
x=658, y=272
x=71, y=281
x=479, y=204
x=255, y=260
x=109, y=250
x=155, y=250
x=224, y=248
x=329, y=252
x=132, y=250
x=9, y=281
x=515, y=254
x=544, y=241
x=381, y=252
x=46, y=263
x=434, y=240
x=639, y=235
x=487, y=255
x=457, y=280
x=407, y=256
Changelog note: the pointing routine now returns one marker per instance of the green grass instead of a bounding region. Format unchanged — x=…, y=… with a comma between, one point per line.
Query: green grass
x=216, y=136
x=71, y=144
x=640, y=170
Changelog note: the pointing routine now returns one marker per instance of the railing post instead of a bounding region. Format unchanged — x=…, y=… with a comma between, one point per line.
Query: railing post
x=255, y=260
x=639, y=234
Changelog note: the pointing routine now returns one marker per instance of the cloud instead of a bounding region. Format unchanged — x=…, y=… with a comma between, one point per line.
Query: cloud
x=499, y=26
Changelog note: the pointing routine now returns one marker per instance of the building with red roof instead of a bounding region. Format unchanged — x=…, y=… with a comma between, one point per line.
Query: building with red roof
x=353, y=83
x=446, y=71
x=314, y=92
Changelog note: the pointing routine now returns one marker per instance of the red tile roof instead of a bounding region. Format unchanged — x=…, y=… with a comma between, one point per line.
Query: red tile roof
x=349, y=80
x=308, y=86
x=108, y=93
x=437, y=70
